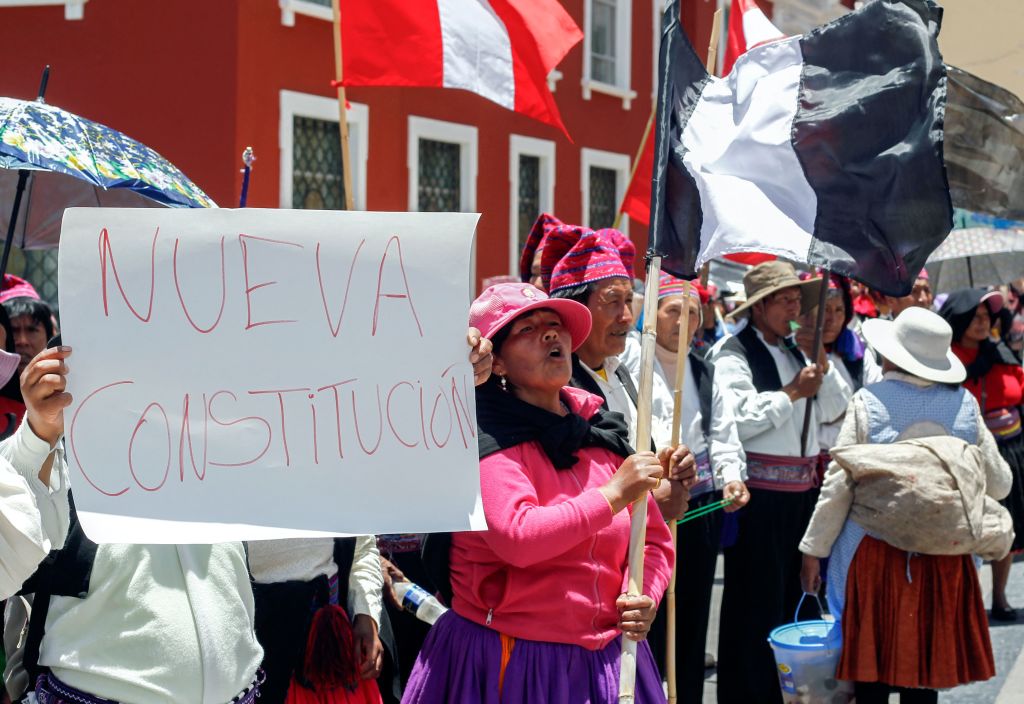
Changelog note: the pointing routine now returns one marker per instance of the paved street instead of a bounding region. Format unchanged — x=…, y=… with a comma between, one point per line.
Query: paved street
x=1007, y=687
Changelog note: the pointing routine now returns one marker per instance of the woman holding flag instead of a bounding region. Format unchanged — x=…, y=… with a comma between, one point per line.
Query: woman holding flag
x=537, y=609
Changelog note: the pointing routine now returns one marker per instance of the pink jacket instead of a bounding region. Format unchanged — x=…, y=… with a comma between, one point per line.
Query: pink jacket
x=553, y=560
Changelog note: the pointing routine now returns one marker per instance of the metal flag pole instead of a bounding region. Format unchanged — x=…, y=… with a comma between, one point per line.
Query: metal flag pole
x=346, y=168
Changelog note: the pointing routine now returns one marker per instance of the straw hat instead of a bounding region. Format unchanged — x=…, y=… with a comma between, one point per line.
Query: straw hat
x=918, y=343
x=768, y=277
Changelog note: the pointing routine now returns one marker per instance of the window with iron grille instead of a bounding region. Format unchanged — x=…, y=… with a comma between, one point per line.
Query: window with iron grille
x=41, y=272
x=317, y=181
x=529, y=195
x=603, y=50
x=603, y=198
x=439, y=184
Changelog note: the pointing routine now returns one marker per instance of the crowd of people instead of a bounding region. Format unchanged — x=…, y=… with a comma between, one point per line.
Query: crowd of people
x=533, y=609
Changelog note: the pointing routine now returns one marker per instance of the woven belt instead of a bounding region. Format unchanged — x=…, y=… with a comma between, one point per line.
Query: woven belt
x=705, y=477
x=1004, y=423
x=51, y=690
x=778, y=473
x=391, y=543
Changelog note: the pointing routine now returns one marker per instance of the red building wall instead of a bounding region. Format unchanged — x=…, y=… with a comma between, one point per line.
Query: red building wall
x=200, y=80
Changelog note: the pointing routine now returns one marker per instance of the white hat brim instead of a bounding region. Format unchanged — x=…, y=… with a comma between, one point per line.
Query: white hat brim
x=881, y=336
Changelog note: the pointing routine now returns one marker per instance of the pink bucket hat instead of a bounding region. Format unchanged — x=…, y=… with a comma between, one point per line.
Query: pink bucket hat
x=499, y=305
x=594, y=256
x=16, y=287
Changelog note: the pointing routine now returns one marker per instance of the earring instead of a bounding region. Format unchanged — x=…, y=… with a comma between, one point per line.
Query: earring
x=504, y=383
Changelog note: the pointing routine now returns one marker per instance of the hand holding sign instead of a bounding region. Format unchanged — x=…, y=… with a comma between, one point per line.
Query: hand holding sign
x=42, y=387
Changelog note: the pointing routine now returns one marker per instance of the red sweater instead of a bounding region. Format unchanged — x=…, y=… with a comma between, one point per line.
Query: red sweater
x=1004, y=383
x=553, y=560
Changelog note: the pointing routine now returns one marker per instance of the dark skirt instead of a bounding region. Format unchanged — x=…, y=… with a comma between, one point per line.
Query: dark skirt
x=914, y=620
x=1013, y=452
x=461, y=662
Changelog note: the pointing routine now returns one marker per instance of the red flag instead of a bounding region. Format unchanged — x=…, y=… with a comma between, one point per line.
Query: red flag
x=502, y=50
x=637, y=203
x=748, y=27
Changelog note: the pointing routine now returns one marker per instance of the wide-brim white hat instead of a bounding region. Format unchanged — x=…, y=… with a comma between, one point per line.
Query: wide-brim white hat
x=918, y=342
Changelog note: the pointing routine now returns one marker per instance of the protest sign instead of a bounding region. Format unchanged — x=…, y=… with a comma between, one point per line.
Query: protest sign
x=248, y=374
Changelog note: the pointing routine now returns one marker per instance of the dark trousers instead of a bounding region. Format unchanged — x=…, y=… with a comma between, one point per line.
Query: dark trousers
x=762, y=589
x=878, y=693
x=696, y=555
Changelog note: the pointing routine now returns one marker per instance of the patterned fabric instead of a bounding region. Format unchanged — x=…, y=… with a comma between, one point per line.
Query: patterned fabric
x=1004, y=423
x=705, y=477
x=391, y=543
x=669, y=285
x=576, y=255
x=50, y=690
x=545, y=223
x=893, y=407
x=774, y=473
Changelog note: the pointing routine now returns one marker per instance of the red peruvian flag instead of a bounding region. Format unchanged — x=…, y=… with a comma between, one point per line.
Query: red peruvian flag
x=748, y=27
x=502, y=50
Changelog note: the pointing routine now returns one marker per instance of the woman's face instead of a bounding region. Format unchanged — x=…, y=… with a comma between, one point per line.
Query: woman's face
x=537, y=355
x=980, y=326
x=835, y=313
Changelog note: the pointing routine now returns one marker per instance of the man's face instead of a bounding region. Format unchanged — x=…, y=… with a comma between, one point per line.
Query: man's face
x=921, y=296
x=535, y=278
x=29, y=339
x=778, y=310
x=669, y=312
x=612, y=317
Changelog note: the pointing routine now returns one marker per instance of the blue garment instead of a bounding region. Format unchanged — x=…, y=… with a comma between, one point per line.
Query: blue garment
x=893, y=408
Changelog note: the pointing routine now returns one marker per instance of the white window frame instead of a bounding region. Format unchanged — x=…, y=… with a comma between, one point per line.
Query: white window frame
x=454, y=133
x=290, y=8
x=73, y=9
x=623, y=41
x=657, y=8
x=620, y=164
x=318, y=107
x=544, y=150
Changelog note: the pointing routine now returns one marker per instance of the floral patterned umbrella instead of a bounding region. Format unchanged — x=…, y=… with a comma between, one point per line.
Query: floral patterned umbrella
x=71, y=161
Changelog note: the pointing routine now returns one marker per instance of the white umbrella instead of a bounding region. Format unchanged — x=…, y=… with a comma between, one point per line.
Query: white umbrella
x=977, y=256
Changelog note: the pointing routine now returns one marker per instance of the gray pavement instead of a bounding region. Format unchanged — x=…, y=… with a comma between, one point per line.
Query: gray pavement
x=1007, y=687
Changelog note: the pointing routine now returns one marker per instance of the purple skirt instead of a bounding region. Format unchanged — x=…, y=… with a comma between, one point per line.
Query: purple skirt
x=460, y=663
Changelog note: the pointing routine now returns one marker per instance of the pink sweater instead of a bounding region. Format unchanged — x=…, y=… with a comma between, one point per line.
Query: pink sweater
x=553, y=560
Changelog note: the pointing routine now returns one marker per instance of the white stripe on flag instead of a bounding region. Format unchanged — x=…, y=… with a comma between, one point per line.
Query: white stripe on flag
x=477, y=50
x=752, y=187
x=758, y=29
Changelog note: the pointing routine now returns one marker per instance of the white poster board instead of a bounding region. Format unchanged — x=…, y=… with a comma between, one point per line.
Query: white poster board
x=249, y=374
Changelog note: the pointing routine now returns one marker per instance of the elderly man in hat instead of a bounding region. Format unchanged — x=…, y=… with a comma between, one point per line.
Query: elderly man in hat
x=595, y=268
x=770, y=383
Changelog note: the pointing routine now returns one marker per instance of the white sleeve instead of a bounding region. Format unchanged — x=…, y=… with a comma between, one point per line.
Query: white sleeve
x=727, y=456
x=872, y=369
x=833, y=397
x=366, y=581
x=755, y=413
x=33, y=517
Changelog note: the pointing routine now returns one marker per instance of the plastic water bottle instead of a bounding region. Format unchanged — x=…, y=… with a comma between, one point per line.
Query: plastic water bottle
x=417, y=600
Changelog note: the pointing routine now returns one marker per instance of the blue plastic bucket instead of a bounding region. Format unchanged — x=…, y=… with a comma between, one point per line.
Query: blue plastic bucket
x=807, y=655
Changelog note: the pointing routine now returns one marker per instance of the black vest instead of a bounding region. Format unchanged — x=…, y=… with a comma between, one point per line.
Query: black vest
x=704, y=375
x=762, y=366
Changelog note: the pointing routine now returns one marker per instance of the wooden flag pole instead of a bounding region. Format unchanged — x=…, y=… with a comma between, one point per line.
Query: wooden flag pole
x=346, y=162
x=638, y=522
x=677, y=421
x=677, y=415
x=819, y=331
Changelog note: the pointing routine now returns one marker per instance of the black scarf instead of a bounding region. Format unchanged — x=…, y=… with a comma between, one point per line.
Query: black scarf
x=505, y=421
